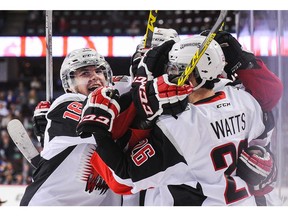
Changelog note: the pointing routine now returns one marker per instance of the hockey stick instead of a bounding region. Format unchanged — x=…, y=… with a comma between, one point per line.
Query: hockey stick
x=150, y=28
x=203, y=47
x=23, y=142
x=15, y=128
x=49, y=61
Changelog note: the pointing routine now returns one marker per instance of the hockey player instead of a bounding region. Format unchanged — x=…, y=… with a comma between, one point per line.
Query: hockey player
x=271, y=80
x=172, y=159
x=265, y=87
x=64, y=176
x=258, y=80
x=123, y=84
x=242, y=64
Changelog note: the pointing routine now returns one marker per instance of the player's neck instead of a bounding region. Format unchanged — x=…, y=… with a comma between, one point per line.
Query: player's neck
x=200, y=94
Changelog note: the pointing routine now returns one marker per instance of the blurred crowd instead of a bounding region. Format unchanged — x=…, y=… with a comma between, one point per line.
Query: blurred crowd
x=17, y=102
x=107, y=22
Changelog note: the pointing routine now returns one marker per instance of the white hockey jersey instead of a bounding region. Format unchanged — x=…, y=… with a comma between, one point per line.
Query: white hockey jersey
x=64, y=176
x=196, y=152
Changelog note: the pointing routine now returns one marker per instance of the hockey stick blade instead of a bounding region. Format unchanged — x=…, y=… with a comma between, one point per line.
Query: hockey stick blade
x=23, y=142
x=150, y=28
x=202, y=48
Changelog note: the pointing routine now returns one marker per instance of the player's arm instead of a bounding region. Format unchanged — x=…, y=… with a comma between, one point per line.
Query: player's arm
x=123, y=172
x=39, y=120
x=256, y=164
x=142, y=168
x=263, y=84
x=147, y=66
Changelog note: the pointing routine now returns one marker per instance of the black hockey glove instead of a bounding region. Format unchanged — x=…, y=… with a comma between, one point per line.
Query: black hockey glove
x=135, y=60
x=235, y=57
x=160, y=96
x=39, y=120
x=99, y=111
x=256, y=167
x=153, y=63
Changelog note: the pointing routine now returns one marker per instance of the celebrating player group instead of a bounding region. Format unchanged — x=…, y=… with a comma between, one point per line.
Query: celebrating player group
x=144, y=140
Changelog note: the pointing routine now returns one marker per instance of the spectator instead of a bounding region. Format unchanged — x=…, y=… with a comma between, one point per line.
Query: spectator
x=35, y=83
x=3, y=105
x=10, y=97
x=63, y=25
x=2, y=167
x=7, y=146
x=32, y=98
x=6, y=119
x=8, y=174
x=11, y=152
x=134, y=29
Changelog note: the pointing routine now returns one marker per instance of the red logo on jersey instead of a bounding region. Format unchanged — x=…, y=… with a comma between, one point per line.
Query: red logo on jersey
x=95, y=182
x=145, y=152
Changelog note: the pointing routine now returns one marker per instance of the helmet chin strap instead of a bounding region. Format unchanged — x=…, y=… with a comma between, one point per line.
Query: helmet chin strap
x=200, y=85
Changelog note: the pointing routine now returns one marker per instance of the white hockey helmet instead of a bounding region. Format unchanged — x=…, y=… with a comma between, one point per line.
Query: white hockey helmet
x=159, y=36
x=210, y=65
x=81, y=58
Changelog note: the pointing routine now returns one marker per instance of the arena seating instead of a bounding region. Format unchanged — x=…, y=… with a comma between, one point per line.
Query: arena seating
x=104, y=23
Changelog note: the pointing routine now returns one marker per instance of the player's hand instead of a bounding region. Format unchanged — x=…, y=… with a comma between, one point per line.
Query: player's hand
x=153, y=63
x=235, y=56
x=39, y=120
x=160, y=96
x=99, y=111
x=135, y=60
x=267, y=185
x=256, y=167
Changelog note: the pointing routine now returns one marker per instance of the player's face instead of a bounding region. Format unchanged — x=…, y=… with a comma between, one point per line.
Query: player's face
x=88, y=78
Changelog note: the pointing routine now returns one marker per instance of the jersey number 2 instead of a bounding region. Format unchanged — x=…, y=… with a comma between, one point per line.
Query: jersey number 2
x=232, y=194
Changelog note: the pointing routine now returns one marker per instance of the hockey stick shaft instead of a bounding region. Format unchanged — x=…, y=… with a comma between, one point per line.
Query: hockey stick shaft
x=15, y=128
x=49, y=61
x=150, y=28
x=202, y=48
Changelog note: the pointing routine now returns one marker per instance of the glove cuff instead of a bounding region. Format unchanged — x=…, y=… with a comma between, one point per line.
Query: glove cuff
x=246, y=60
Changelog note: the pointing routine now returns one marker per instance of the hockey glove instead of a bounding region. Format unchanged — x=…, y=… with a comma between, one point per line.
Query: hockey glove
x=99, y=111
x=135, y=60
x=39, y=120
x=256, y=167
x=160, y=96
x=153, y=63
x=235, y=57
x=267, y=185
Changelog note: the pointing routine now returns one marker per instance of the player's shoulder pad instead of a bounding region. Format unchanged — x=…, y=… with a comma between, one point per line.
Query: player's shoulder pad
x=65, y=98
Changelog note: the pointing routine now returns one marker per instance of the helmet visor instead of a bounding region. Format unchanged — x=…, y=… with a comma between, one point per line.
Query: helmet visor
x=175, y=69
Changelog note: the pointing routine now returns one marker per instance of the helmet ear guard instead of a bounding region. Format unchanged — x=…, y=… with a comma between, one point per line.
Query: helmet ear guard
x=81, y=58
x=209, y=66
